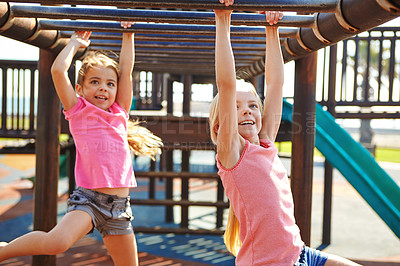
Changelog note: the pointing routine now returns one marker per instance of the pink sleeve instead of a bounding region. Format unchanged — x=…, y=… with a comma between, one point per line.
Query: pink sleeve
x=119, y=109
x=267, y=143
x=78, y=106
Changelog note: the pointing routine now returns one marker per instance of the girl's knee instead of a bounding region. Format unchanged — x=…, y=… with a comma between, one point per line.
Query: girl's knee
x=55, y=245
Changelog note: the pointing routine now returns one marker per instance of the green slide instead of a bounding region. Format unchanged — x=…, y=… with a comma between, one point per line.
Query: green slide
x=357, y=165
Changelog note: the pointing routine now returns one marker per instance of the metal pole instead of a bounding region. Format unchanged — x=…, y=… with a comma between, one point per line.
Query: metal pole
x=158, y=16
x=304, y=6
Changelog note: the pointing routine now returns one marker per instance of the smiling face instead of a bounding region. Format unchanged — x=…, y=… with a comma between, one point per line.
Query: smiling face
x=249, y=115
x=99, y=86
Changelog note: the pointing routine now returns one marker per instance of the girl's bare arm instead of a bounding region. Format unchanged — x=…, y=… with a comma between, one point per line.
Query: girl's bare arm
x=61, y=64
x=228, y=140
x=274, y=78
x=126, y=63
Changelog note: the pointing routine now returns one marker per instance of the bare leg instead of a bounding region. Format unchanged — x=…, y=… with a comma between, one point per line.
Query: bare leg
x=334, y=260
x=122, y=249
x=73, y=226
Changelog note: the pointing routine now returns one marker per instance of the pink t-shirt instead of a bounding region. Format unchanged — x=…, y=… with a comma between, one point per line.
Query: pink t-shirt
x=103, y=158
x=259, y=192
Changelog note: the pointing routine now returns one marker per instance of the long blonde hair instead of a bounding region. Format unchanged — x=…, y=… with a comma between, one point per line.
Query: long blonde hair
x=231, y=235
x=142, y=141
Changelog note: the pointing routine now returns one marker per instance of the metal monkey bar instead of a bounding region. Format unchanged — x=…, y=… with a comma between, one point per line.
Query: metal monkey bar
x=157, y=16
x=303, y=6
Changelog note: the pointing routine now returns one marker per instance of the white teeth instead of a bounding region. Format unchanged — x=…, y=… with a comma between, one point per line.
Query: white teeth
x=101, y=97
x=247, y=123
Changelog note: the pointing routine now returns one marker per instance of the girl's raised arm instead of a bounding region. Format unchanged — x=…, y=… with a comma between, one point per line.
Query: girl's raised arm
x=228, y=135
x=274, y=78
x=126, y=62
x=61, y=64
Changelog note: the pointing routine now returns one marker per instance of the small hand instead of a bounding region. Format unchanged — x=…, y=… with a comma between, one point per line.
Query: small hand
x=82, y=38
x=272, y=17
x=226, y=2
x=220, y=12
x=126, y=24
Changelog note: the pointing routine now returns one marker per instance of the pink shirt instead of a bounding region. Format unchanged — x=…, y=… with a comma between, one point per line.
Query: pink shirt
x=103, y=158
x=259, y=192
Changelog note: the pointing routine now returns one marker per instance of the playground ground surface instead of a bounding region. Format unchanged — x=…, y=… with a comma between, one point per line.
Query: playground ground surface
x=357, y=231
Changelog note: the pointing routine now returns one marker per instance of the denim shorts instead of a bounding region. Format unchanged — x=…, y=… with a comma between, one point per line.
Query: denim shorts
x=111, y=215
x=311, y=257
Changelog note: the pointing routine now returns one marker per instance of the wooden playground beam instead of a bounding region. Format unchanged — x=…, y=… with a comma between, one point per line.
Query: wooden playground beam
x=303, y=6
x=157, y=16
x=47, y=150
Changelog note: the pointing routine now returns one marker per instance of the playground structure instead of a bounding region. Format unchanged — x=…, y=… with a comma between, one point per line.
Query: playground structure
x=178, y=46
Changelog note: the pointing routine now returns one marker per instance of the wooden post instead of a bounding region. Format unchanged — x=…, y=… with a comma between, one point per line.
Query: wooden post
x=187, y=92
x=303, y=139
x=169, y=162
x=47, y=154
x=328, y=169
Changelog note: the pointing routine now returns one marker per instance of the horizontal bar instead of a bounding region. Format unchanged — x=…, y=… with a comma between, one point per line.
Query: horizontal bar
x=179, y=45
x=178, y=71
x=162, y=202
x=172, y=60
x=389, y=104
x=303, y=6
x=149, y=28
x=178, y=52
x=158, y=16
x=186, y=175
x=178, y=38
x=193, y=56
x=181, y=231
x=360, y=115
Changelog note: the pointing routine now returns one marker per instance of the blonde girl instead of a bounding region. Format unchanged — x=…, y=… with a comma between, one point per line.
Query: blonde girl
x=261, y=227
x=98, y=118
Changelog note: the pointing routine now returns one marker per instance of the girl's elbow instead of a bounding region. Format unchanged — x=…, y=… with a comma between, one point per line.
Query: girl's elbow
x=55, y=70
x=226, y=84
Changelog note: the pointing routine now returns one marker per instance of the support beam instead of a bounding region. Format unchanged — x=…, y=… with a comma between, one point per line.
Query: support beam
x=303, y=6
x=352, y=17
x=47, y=154
x=157, y=16
x=303, y=139
x=26, y=30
